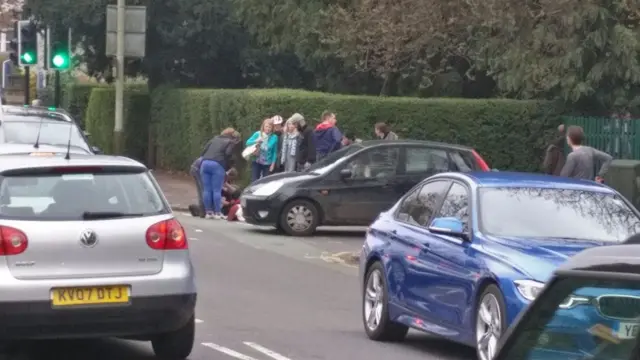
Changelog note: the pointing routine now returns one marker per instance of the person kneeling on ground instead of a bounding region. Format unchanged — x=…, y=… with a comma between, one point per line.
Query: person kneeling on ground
x=231, y=197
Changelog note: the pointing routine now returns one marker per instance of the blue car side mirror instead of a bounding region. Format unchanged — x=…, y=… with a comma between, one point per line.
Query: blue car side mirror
x=448, y=226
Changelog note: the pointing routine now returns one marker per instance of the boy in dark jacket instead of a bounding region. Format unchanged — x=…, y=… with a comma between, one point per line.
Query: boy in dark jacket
x=327, y=136
x=197, y=209
x=554, y=156
x=306, y=154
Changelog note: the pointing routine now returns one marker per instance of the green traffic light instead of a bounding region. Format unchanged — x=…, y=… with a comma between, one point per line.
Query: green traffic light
x=28, y=58
x=59, y=61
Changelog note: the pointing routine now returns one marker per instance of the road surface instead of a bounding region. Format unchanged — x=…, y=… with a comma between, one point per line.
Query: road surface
x=264, y=296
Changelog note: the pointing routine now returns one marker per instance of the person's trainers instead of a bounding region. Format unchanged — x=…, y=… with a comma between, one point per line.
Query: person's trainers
x=210, y=216
x=219, y=217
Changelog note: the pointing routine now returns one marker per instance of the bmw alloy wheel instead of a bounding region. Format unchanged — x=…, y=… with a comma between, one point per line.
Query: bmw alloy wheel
x=373, y=300
x=299, y=218
x=488, y=327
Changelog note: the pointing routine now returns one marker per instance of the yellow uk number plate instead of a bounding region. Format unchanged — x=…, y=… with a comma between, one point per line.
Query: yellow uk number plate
x=90, y=295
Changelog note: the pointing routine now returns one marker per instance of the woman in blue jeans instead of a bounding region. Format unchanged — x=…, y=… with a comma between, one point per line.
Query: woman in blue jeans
x=266, y=154
x=216, y=160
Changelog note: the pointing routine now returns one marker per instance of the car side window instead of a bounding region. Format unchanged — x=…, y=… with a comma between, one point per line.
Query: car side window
x=420, y=205
x=462, y=163
x=426, y=160
x=456, y=205
x=374, y=164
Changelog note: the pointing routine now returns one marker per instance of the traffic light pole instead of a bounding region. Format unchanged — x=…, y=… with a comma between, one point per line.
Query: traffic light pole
x=119, y=113
x=27, y=84
x=57, y=90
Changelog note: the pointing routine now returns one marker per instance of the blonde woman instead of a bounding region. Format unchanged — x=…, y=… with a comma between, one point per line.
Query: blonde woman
x=266, y=155
x=290, y=143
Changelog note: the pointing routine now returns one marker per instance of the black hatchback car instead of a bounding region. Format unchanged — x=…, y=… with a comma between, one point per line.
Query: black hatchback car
x=352, y=185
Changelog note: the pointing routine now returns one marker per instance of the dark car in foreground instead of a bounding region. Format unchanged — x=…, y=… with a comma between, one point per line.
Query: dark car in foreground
x=22, y=124
x=353, y=185
x=602, y=327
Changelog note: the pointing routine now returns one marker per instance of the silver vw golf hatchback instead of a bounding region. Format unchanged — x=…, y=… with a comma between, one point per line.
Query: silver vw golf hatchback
x=90, y=248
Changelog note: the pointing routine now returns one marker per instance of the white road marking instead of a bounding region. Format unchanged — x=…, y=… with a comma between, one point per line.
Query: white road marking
x=194, y=239
x=332, y=258
x=270, y=353
x=228, y=351
x=198, y=321
x=198, y=230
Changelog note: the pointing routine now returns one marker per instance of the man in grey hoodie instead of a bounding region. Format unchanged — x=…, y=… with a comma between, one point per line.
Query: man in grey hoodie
x=582, y=161
x=383, y=132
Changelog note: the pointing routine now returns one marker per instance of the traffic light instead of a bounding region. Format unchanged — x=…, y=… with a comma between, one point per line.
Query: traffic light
x=60, y=51
x=27, y=43
x=13, y=46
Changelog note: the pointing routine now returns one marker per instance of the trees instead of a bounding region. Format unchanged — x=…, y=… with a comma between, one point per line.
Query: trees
x=584, y=52
x=408, y=42
x=189, y=42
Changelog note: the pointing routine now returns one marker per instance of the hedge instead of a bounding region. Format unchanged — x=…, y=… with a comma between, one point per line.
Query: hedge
x=510, y=134
x=100, y=116
x=75, y=99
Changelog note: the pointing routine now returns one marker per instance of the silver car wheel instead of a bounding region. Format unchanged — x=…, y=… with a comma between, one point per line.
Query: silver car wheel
x=488, y=327
x=299, y=218
x=373, y=300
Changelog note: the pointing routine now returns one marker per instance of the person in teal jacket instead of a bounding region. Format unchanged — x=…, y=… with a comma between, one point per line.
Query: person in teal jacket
x=266, y=155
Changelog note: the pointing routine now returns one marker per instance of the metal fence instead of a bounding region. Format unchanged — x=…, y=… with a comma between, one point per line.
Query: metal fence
x=619, y=137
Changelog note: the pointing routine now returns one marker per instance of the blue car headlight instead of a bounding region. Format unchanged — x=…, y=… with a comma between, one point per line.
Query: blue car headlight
x=530, y=289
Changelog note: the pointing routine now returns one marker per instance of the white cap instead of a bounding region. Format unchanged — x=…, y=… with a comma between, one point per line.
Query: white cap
x=277, y=120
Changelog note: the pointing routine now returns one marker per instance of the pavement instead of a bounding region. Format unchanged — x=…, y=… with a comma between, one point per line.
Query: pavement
x=264, y=296
x=179, y=189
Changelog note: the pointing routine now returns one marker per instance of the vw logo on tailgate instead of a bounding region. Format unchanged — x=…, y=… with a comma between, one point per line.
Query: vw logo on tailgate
x=89, y=238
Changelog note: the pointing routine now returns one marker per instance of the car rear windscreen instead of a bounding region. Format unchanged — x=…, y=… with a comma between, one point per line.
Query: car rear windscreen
x=51, y=133
x=79, y=196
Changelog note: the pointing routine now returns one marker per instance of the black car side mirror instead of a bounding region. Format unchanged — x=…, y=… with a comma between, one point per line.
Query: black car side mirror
x=346, y=173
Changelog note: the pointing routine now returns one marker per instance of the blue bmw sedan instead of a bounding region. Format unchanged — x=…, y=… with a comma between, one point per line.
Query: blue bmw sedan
x=461, y=255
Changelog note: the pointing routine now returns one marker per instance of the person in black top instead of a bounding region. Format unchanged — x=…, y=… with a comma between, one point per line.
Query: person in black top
x=306, y=154
x=216, y=160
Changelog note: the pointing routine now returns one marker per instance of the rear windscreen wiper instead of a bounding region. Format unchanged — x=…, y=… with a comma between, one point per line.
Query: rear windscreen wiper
x=87, y=215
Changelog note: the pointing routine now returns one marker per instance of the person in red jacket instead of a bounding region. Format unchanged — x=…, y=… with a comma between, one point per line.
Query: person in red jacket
x=327, y=136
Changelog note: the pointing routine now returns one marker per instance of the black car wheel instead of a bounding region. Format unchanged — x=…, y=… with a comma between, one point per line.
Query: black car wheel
x=299, y=218
x=175, y=345
x=375, y=308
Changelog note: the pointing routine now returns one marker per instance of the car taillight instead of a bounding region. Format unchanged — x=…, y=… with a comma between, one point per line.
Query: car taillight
x=480, y=161
x=12, y=241
x=167, y=235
